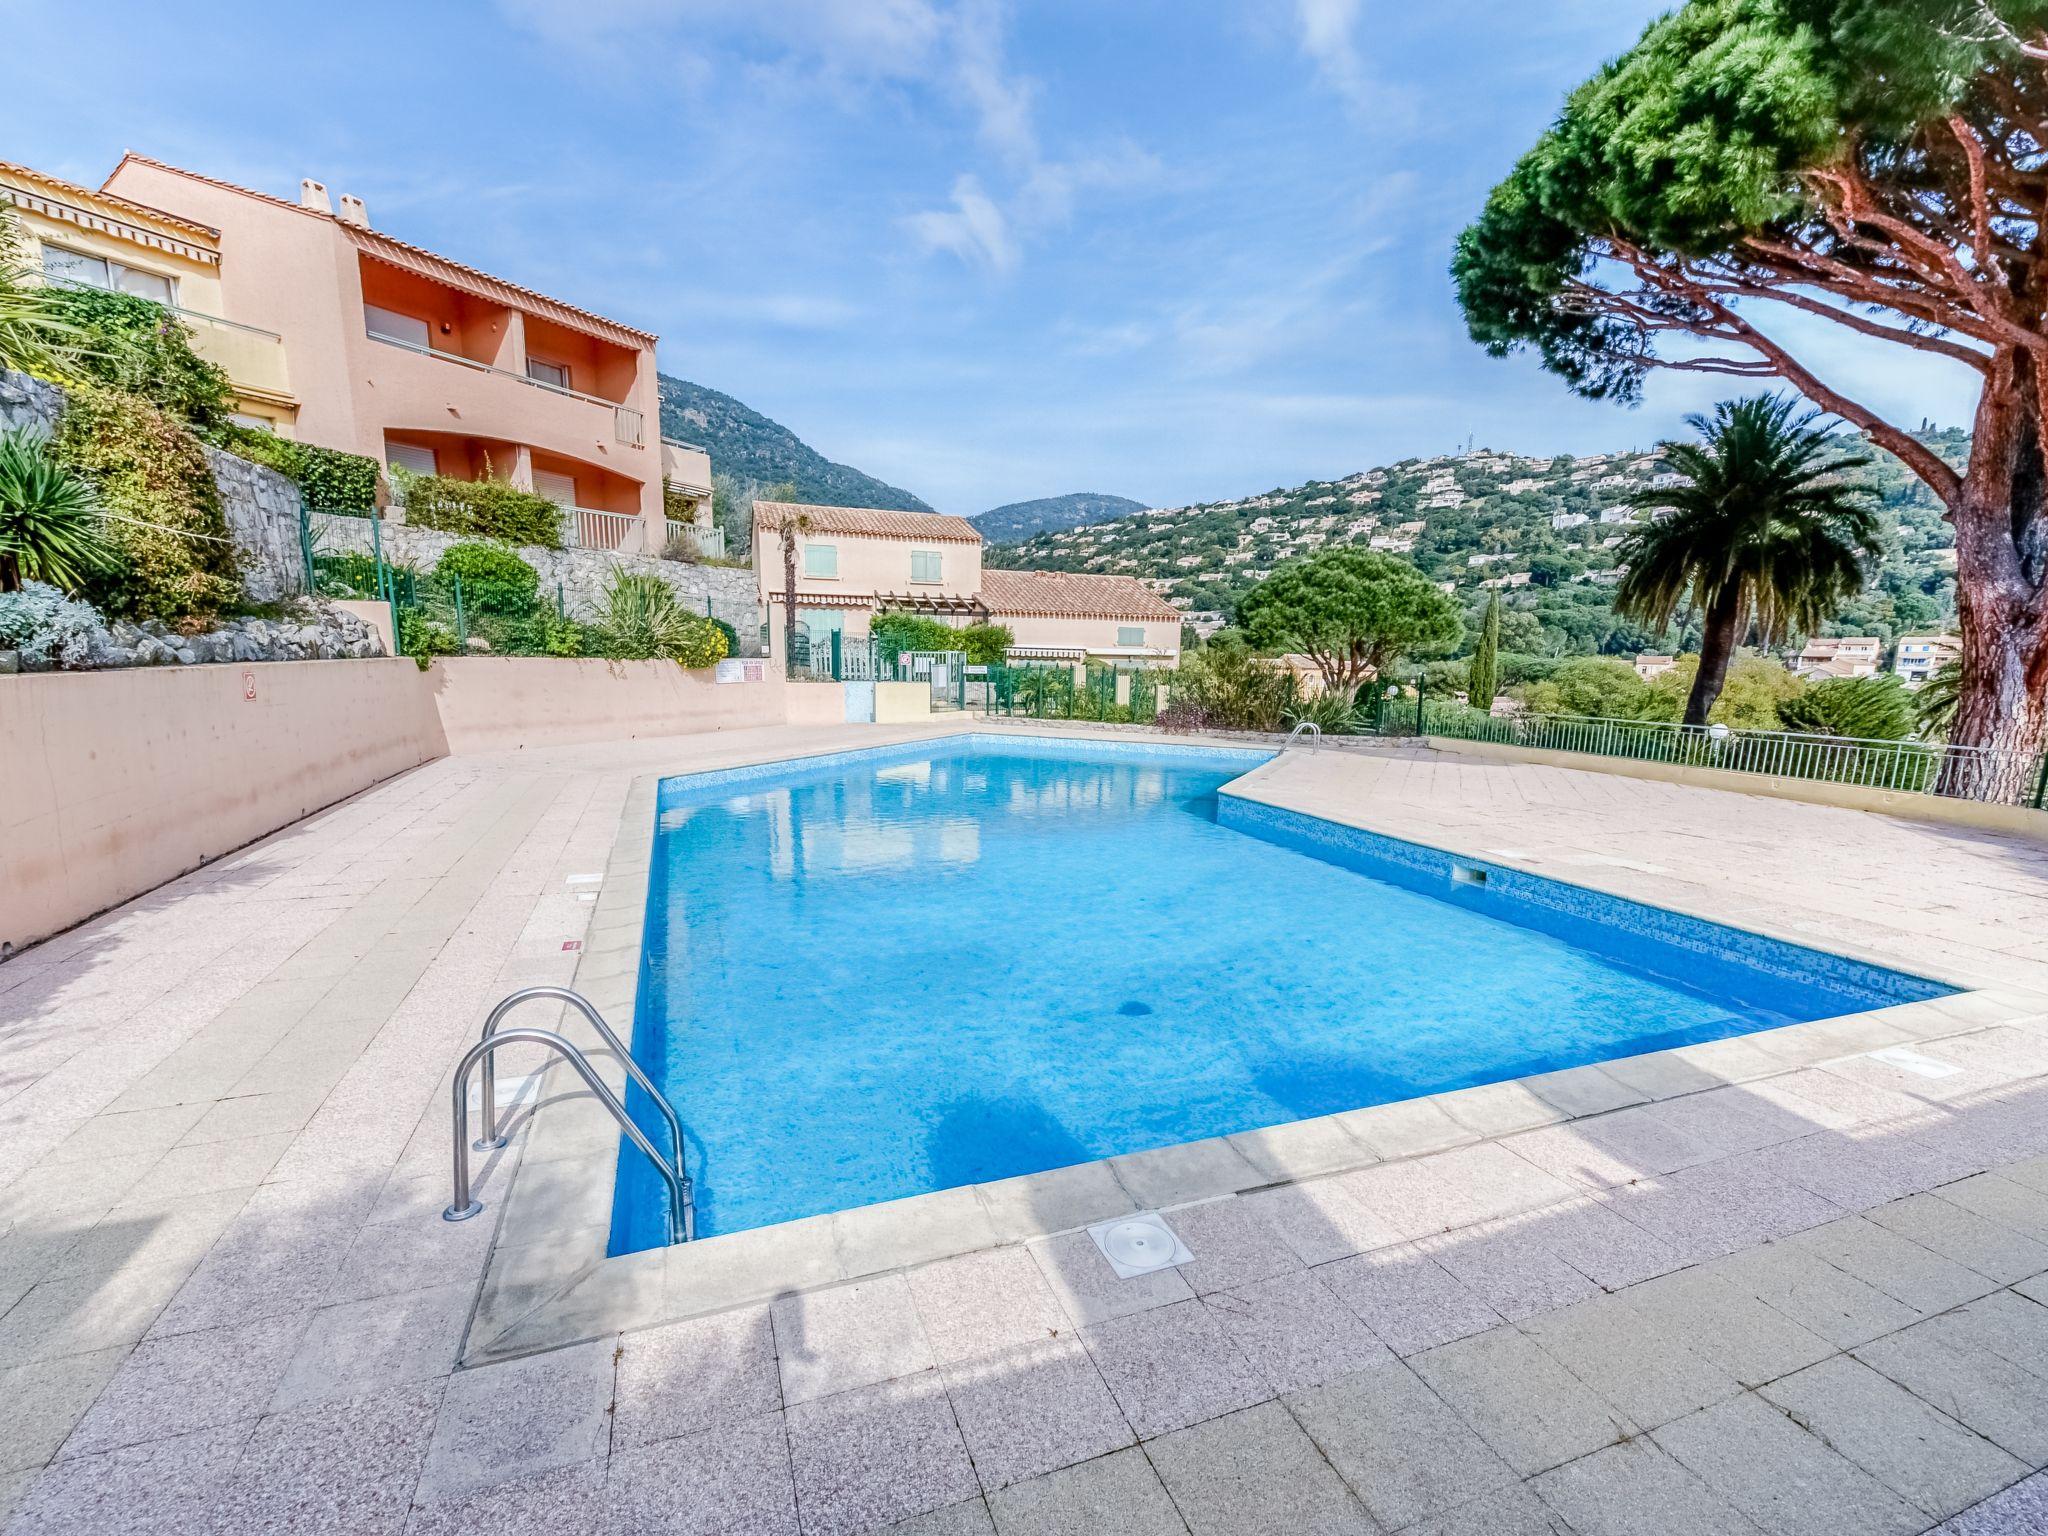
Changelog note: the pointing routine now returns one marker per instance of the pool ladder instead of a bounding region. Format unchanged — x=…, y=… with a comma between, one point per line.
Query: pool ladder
x=682, y=1212
x=1308, y=728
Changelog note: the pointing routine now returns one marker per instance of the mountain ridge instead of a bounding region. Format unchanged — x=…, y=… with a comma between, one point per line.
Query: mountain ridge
x=1018, y=520
x=754, y=452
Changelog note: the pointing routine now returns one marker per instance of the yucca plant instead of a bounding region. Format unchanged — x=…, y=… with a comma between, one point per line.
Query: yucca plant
x=1335, y=713
x=644, y=621
x=49, y=517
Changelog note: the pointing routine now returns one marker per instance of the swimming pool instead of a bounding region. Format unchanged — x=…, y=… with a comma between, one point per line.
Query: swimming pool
x=876, y=974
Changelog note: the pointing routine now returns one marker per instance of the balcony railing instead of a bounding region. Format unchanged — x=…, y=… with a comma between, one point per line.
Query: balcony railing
x=628, y=425
x=588, y=528
x=686, y=541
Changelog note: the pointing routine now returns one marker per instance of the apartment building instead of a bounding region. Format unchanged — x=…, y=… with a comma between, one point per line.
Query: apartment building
x=853, y=563
x=1919, y=657
x=90, y=239
x=1840, y=656
x=430, y=365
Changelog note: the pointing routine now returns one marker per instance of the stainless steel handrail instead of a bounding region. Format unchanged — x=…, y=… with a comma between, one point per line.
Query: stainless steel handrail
x=682, y=1215
x=1309, y=726
x=491, y=1140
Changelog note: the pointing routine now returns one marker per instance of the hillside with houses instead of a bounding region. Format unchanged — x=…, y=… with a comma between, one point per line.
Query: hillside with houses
x=1542, y=531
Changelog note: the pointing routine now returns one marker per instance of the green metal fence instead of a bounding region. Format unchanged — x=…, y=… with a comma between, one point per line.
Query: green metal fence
x=1115, y=695
x=1987, y=774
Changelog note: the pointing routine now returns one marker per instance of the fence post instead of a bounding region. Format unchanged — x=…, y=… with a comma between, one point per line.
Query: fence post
x=387, y=584
x=461, y=621
x=1421, y=682
x=561, y=602
x=2041, y=784
x=306, y=541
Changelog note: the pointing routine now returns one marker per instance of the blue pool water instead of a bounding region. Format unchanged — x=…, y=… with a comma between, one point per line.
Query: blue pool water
x=887, y=973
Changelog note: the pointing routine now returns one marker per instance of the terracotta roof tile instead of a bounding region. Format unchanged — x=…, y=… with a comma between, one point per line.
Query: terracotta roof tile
x=874, y=522
x=1062, y=594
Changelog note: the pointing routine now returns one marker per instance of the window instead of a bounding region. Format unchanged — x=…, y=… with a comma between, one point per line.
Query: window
x=821, y=560
x=62, y=266
x=390, y=325
x=924, y=565
x=415, y=460
x=553, y=374
x=1130, y=634
x=560, y=489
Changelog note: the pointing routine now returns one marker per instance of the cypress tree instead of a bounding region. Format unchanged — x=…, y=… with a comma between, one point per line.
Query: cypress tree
x=1484, y=680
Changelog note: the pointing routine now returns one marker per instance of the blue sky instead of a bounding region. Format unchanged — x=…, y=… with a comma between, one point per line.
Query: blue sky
x=1170, y=249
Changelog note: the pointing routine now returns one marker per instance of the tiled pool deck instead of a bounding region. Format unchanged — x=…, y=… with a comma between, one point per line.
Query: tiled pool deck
x=1770, y=1284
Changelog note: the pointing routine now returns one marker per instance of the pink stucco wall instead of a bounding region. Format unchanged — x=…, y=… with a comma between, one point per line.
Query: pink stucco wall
x=119, y=781
x=299, y=274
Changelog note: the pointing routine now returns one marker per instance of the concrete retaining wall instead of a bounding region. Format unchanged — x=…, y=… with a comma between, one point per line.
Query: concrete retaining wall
x=494, y=704
x=118, y=781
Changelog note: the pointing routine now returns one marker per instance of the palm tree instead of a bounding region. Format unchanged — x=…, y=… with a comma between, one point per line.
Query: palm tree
x=34, y=335
x=1764, y=531
x=49, y=517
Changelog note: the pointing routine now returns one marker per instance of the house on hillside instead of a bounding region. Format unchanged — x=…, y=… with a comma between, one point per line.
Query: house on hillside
x=1839, y=656
x=427, y=364
x=1649, y=665
x=853, y=563
x=1919, y=657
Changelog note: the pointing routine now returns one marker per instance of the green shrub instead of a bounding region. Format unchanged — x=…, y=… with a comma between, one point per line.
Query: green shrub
x=330, y=480
x=490, y=509
x=986, y=645
x=644, y=620
x=494, y=579
x=1871, y=708
x=173, y=556
x=1335, y=713
x=140, y=348
x=895, y=633
x=1226, y=685
x=422, y=638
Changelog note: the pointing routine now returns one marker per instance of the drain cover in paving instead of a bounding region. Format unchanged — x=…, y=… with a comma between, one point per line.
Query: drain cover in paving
x=1139, y=1244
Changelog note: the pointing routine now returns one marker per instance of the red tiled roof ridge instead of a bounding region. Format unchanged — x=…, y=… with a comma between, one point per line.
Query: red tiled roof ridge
x=145, y=209
x=869, y=522
x=1070, y=594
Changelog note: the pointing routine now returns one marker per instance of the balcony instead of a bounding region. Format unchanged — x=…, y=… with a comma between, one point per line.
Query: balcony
x=253, y=359
x=686, y=467
x=628, y=425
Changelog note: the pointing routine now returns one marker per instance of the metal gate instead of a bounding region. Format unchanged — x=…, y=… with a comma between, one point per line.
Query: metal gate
x=944, y=671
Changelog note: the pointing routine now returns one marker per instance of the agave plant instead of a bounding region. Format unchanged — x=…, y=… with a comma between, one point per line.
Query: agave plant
x=49, y=517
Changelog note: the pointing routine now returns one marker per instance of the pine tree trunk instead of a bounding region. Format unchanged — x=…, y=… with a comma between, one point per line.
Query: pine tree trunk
x=2002, y=590
x=1717, y=648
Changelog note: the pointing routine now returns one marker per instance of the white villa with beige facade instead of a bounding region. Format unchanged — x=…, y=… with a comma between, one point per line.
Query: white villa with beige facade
x=853, y=563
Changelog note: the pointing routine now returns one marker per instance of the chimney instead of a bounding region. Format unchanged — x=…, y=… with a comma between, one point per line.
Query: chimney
x=313, y=195
x=353, y=211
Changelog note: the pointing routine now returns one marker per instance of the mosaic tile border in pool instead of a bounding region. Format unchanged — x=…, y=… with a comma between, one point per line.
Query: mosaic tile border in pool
x=1579, y=916
x=695, y=788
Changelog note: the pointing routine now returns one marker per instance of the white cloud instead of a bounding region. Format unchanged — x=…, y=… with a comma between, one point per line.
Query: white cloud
x=973, y=228
x=1329, y=37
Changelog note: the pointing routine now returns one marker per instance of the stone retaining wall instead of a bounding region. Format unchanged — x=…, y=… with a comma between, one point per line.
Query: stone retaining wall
x=582, y=575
